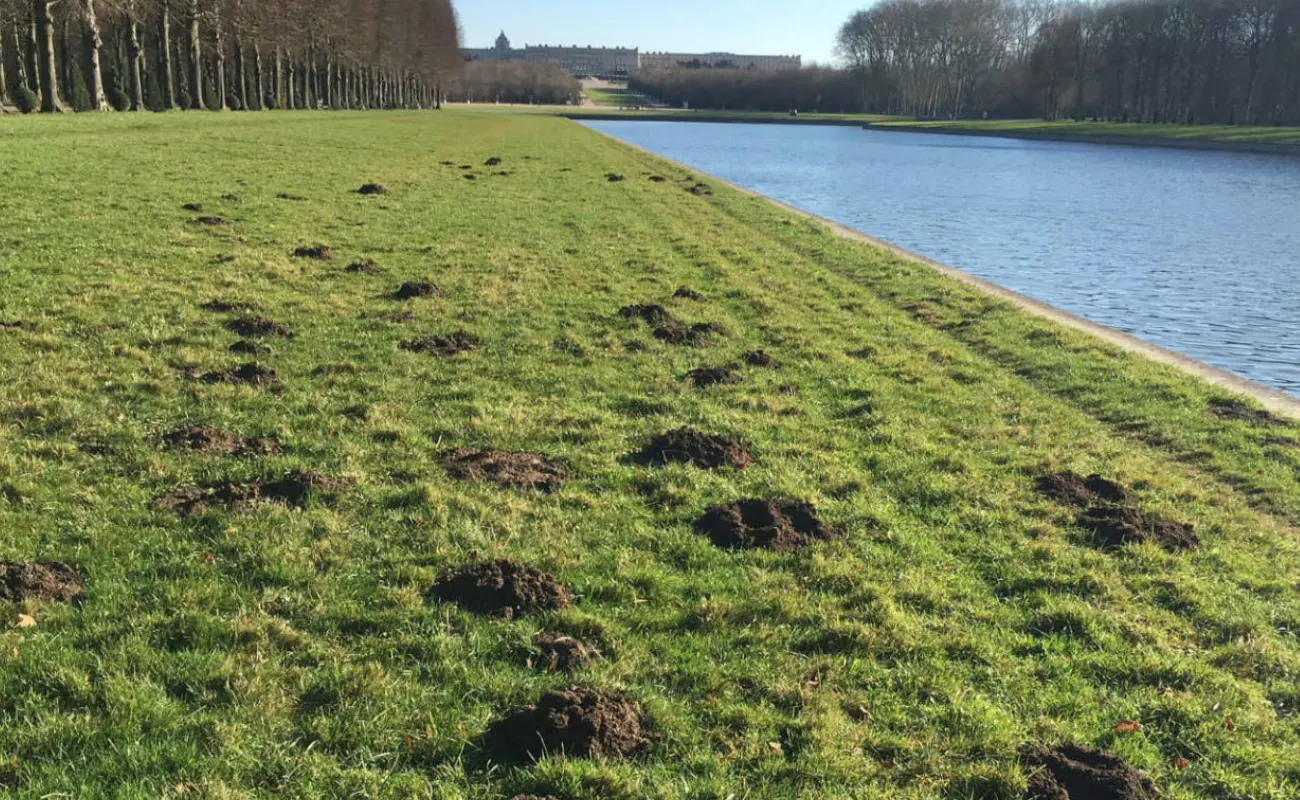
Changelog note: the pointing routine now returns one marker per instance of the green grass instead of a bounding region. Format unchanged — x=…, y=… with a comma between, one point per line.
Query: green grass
x=1039, y=128
x=265, y=652
x=678, y=115
x=613, y=96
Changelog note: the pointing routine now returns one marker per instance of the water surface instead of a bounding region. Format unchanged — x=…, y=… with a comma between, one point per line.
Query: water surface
x=1196, y=251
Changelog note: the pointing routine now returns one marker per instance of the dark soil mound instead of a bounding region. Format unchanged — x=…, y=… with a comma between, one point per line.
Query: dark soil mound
x=211, y=441
x=781, y=525
x=29, y=581
x=466, y=166
x=366, y=266
x=244, y=347
x=211, y=222
x=578, y=722
x=257, y=327
x=1116, y=526
x=1237, y=410
x=1079, y=773
x=16, y=325
x=412, y=290
x=197, y=208
x=294, y=490
x=502, y=588
x=649, y=314
x=702, y=377
x=684, y=293
x=449, y=345
x=698, y=335
x=657, y=179
x=559, y=653
x=373, y=188
x=229, y=306
x=759, y=358
x=231, y=198
x=689, y=446
x=508, y=470
x=318, y=252
x=297, y=198
x=1072, y=489
x=252, y=374
x=470, y=177
x=701, y=190
x=615, y=178
x=492, y=162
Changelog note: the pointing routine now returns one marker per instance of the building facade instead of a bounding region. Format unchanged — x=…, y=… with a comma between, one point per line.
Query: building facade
x=620, y=62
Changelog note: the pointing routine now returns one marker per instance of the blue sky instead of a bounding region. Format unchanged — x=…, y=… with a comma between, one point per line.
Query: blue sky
x=766, y=27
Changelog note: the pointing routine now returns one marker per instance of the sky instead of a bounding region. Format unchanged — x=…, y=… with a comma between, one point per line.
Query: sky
x=752, y=27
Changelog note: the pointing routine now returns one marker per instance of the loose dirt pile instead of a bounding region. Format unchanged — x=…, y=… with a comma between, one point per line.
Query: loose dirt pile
x=698, y=335
x=772, y=524
x=1078, y=773
x=578, y=722
x=1116, y=526
x=684, y=293
x=502, y=588
x=648, y=313
x=197, y=208
x=494, y=161
x=256, y=327
x=703, y=377
x=689, y=446
x=1238, y=410
x=615, y=178
x=316, y=252
x=658, y=179
x=701, y=190
x=252, y=374
x=53, y=580
x=247, y=348
x=17, y=325
x=297, y=198
x=759, y=358
x=507, y=470
x=557, y=652
x=294, y=489
x=210, y=441
x=366, y=266
x=446, y=346
x=413, y=290
x=211, y=222
x=373, y=188
x=230, y=306
x=1112, y=513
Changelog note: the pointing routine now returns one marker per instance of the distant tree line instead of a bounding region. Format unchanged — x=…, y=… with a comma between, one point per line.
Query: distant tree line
x=91, y=55
x=1176, y=61
x=516, y=82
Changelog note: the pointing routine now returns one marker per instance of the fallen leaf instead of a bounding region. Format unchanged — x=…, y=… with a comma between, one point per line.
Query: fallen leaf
x=776, y=747
x=1128, y=726
x=1182, y=763
x=1229, y=724
x=25, y=621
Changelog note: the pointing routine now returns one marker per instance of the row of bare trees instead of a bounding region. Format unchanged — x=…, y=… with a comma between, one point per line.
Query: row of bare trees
x=92, y=55
x=1187, y=61
x=486, y=81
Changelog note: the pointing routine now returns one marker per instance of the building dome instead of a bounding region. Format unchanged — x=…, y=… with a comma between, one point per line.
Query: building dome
x=503, y=42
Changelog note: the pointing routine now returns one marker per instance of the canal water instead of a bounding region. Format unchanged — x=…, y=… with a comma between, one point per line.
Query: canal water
x=1195, y=251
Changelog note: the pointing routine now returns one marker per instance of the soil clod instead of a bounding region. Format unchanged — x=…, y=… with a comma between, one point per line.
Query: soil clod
x=294, y=490
x=373, y=188
x=251, y=327
x=698, y=335
x=316, y=252
x=447, y=346
x=701, y=190
x=17, y=325
x=297, y=198
x=613, y=177
x=366, y=266
x=252, y=374
x=248, y=348
x=1070, y=772
x=492, y=162
x=648, y=313
x=689, y=446
x=211, y=222
x=470, y=177
x=53, y=580
x=1072, y=489
x=412, y=290
x=229, y=306
x=657, y=179
x=231, y=198
x=577, y=722
x=502, y=588
x=507, y=470
x=759, y=358
x=1237, y=410
x=772, y=524
x=557, y=652
x=211, y=441
x=703, y=377
x=197, y=208
x=685, y=293
x=1117, y=526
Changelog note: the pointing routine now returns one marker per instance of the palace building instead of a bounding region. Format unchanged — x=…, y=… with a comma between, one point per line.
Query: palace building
x=620, y=62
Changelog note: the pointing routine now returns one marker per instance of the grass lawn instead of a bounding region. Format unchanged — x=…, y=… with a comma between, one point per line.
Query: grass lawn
x=1040, y=128
x=612, y=96
x=304, y=647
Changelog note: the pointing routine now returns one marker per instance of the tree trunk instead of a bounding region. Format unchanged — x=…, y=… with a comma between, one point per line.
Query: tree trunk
x=241, y=81
x=196, y=59
x=279, y=78
x=4, y=84
x=165, y=47
x=135, y=62
x=33, y=54
x=94, y=44
x=46, y=68
x=257, y=76
x=63, y=50
x=219, y=42
x=289, y=78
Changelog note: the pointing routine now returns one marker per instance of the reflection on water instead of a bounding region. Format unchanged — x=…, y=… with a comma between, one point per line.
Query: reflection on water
x=1195, y=251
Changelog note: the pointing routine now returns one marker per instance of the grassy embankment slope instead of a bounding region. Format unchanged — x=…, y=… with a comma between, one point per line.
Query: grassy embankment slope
x=257, y=650
x=1039, y=129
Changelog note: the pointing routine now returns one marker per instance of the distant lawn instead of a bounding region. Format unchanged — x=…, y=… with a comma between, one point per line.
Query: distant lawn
x=1228, y=133
x=614, y=97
